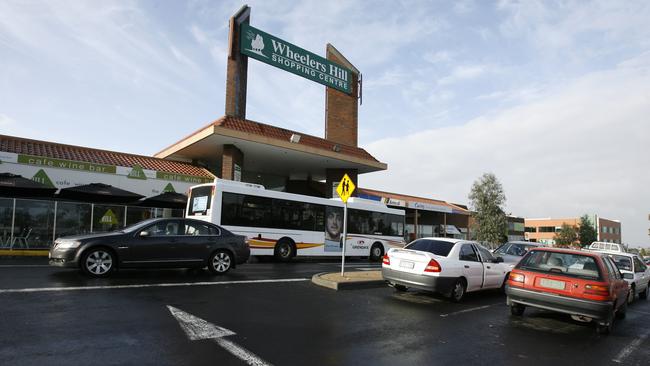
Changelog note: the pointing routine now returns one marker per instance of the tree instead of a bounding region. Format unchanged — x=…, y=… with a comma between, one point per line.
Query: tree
x=586, y=232
x=486, y=199
x=566, y=236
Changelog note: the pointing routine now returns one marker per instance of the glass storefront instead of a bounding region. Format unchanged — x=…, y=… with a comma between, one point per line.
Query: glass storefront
x=34, y=224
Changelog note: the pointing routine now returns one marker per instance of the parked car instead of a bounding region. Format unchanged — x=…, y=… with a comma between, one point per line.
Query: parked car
x=448, y=266
x=159, y=242
x=586, y=285
x=513, y=251
x=634, y=271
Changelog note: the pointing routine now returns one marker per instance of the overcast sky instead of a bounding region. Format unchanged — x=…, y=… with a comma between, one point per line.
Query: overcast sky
x=551, y=96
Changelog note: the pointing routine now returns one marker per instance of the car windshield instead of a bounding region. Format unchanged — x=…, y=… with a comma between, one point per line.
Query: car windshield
x=437, y=247
x=566, y=264
x=136, y=226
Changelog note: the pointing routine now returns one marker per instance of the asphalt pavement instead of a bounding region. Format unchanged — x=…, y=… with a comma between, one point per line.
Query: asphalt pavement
x=267, y=313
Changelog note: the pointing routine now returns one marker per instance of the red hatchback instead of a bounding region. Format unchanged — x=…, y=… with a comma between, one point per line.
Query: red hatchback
x=586, y=285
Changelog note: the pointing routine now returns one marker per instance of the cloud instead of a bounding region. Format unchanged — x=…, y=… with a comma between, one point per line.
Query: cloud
x=579, y=148
x=6, y=121
x=463, y=73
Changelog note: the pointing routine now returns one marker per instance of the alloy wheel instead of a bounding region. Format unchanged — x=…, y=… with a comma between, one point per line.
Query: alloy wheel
x=99, y=262
x=221, y=262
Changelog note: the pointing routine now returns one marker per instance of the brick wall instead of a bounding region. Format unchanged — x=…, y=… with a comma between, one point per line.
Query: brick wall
x=341, y=110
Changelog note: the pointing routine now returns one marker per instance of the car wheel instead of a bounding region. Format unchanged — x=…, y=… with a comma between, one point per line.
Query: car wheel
x=622, y=311
x=458, y=291
x=220, y=262
x=643, y=295
x=605, y=327
x=98, y=262
x=630, y=296
x=400, y=288
x=376, y=252
x=284, y=250
x=517, y=309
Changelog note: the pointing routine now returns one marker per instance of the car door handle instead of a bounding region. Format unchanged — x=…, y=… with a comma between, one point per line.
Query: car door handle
x=466, y=266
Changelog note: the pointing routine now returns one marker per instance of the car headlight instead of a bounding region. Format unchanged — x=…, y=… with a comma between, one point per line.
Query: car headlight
x=68, y=244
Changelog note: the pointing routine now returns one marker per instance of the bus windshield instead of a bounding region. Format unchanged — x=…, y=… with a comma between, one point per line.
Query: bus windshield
x=200, y=200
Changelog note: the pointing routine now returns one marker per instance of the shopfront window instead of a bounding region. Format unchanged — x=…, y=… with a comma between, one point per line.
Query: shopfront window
x=6, y=213
x=107, y=218
x=136, y=214
x=72, y=218
x=33, y=225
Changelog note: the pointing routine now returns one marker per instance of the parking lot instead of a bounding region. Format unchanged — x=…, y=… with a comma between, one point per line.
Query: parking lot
x=271, y=313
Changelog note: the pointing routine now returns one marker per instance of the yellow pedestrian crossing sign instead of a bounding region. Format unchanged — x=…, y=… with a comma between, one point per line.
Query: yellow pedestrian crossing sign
x=345, y=188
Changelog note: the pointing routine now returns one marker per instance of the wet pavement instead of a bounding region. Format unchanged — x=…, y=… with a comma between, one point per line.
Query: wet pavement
x=285, y=320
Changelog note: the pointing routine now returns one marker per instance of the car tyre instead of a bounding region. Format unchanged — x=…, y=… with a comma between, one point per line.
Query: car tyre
x=458, y=291
x=517, y=309
x=644, y=295
x=220, y=262
x=400, y=288
x=605, y=327
x=376, y=252
x=622, y=311
x=98, y=262
x=284, y=250
x=631, y=295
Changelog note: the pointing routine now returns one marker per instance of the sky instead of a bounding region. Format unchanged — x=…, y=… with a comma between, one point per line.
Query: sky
x=553, y=97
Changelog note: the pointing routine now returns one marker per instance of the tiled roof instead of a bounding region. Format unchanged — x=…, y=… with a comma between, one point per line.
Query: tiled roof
x=268, y=131
x=408, y=198
x=53, y=150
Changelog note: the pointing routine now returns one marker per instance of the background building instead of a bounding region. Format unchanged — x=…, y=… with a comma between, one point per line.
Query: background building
x=543, y=230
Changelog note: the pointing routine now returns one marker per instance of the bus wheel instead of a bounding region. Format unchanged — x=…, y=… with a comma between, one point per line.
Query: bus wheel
x=284, y=250
x=376, y=252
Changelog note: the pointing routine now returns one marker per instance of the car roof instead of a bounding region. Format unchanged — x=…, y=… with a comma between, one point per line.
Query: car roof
x=450, y=240
x=525, y=242
x=626, y=254
x=568, y=251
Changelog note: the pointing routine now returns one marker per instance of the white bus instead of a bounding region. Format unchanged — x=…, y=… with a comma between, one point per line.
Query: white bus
x=285, y=224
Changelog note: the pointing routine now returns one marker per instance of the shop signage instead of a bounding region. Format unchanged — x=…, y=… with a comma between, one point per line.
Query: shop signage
x=65, y=164
x=286, y=56
x=394, y=202
x=428, y=207
x=182, y=178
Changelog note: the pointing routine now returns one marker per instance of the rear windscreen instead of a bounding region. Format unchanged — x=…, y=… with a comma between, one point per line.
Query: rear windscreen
x=568, y=264
x=200, y=200
x=437, y=247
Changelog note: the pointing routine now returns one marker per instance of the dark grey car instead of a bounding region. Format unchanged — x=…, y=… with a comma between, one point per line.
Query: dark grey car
x=173, y=242
x=513, y=251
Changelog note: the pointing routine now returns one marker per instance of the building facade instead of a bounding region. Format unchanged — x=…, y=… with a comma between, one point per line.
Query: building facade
x=543, y=230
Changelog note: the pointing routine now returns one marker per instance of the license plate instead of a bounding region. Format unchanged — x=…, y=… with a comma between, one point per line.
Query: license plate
x=407, y=264
x=557, y=285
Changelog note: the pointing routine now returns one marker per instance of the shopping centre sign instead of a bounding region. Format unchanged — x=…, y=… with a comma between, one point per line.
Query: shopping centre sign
x=276, y=52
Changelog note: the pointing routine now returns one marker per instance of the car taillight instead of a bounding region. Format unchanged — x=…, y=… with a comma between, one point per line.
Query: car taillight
x=597, y=290
x=386, y=260
x=433, y=266
x=517, y=277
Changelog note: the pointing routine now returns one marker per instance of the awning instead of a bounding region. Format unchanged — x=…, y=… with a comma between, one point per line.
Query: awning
x=12, y=185
x=166, y=200
x=98, y=192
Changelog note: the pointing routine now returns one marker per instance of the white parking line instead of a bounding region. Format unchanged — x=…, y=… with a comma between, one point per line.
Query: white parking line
x=112, y=287
x=23, y=265
x=466, y=311
x=631, y=347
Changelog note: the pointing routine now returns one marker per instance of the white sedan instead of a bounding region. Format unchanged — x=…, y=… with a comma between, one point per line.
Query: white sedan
x=448, y=266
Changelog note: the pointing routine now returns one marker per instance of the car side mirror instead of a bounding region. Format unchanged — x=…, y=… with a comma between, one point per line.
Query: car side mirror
x=144, y=234
x=498, y=260
x=628, y=276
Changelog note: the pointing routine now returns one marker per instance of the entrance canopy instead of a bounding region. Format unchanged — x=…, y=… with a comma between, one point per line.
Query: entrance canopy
x=269, y=149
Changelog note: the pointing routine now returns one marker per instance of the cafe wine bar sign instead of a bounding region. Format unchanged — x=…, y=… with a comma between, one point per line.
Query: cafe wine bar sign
x=276, y=52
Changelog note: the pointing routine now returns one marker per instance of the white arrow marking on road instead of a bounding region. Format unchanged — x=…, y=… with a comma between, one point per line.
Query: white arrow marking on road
x=196, y=329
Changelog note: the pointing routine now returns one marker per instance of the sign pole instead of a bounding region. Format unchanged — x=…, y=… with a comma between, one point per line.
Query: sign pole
x=345, y=237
